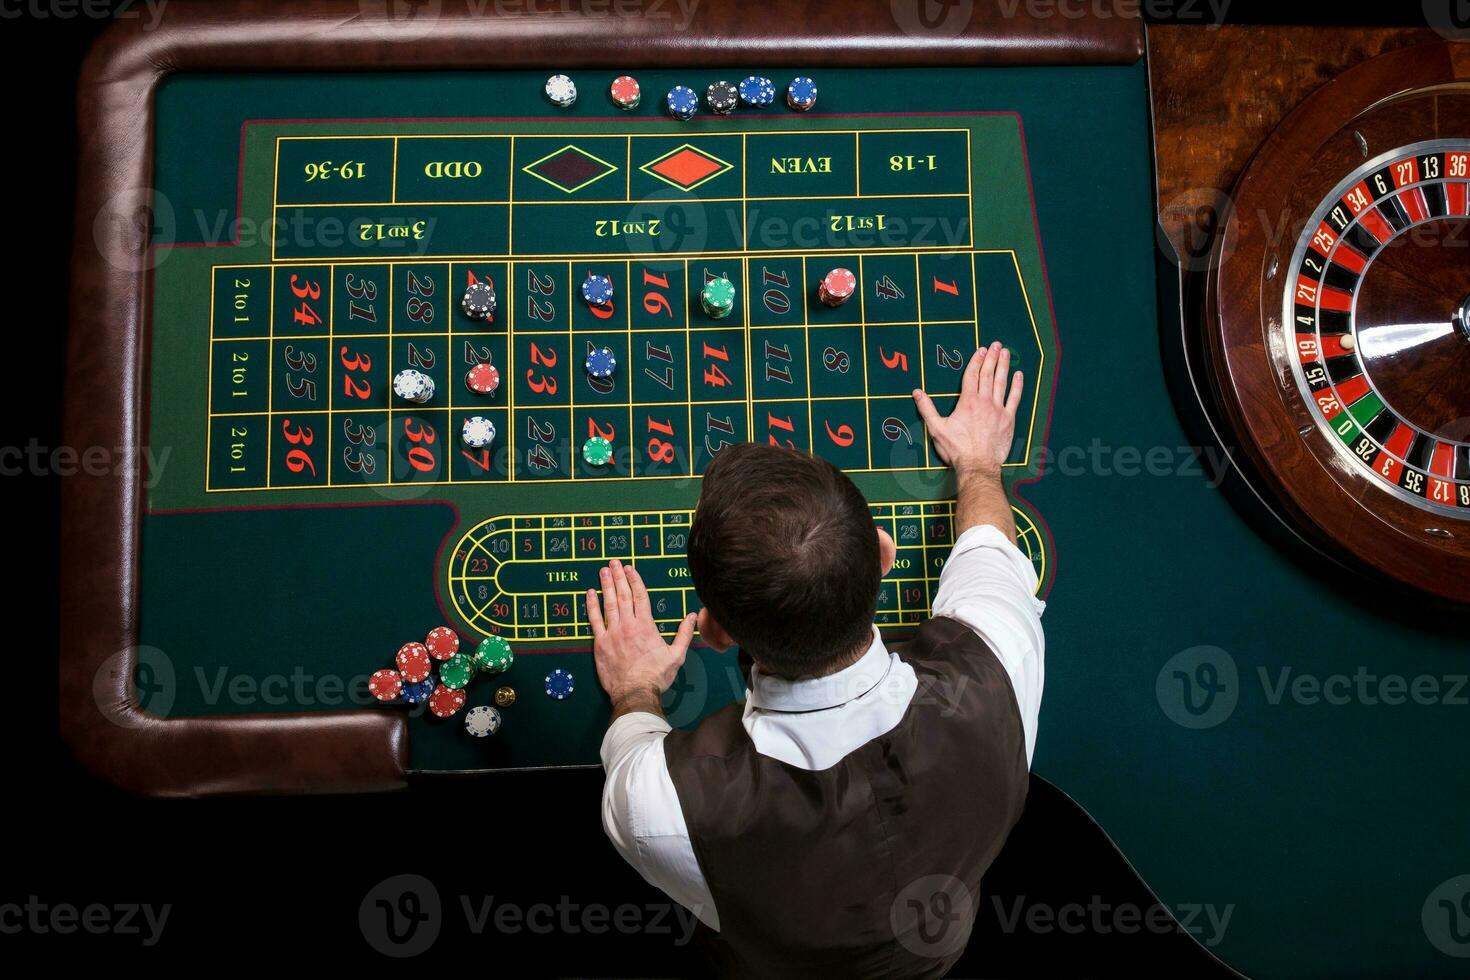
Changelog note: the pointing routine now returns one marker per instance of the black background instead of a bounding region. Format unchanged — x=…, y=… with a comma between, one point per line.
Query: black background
x=278, y=882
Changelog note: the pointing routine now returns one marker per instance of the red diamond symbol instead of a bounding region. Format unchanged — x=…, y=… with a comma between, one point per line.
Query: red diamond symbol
x=686, y=167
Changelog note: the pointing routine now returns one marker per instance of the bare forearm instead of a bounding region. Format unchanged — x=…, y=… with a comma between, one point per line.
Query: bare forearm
x=629, y=702
x=980, y=498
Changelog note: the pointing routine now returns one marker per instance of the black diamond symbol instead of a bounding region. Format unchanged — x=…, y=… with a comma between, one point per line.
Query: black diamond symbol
x=569, y=169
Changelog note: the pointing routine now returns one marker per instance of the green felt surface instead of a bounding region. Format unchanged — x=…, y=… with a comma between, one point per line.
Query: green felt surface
x=1321, y=828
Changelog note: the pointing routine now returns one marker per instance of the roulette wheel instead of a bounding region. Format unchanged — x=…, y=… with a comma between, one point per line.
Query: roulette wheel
x=1337, y=319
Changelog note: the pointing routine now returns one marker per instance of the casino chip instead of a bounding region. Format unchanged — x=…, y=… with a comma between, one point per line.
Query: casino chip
x=413, y=662
x=682, y=102
x=385, y=685
x=559, y=684
x=561, y=91
x=456, y=672
x=482, y=721
x=597, y=290
x=625, y=92
x=418, y=693
x=479, y=301
x=597, y=451
x=445, y=701
x=413, y=386
x=718, y=297
x=505, y=696
x=757, y=92
x=837, y=287
x=442, y=642
x=482, y=379
x=722, y=97
x=601, y=363
x=477, y=432
x=493, y=655
x=801, y=94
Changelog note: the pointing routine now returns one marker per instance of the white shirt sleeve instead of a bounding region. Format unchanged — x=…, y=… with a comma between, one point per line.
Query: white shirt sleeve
x=642, y=816
x=988, y=585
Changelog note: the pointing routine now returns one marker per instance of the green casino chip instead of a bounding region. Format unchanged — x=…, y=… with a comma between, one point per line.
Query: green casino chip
x=456, y=672
x=718, y=297
x=493, y=655
x=597, y=451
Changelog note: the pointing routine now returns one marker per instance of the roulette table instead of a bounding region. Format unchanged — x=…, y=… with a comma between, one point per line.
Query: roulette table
x=282, y=206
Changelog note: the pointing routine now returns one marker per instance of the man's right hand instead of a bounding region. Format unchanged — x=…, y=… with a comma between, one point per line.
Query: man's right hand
x=976, y=438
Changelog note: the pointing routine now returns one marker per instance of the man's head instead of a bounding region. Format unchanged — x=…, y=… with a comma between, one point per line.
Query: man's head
x=786, y=559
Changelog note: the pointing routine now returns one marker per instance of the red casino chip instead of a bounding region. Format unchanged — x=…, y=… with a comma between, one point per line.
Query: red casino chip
x=482, y=379
x=385, y=684
x=626, y=92
x=444, y=702
x=837, y=287
x=413, y=662
x=442, y=642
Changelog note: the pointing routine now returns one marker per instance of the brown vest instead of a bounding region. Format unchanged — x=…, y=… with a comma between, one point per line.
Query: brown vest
x=870, y=868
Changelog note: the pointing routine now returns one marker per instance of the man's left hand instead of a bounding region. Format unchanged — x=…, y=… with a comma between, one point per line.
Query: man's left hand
x=634, y=664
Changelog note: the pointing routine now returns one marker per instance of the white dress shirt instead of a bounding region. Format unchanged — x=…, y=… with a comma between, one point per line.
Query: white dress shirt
x=987, y=584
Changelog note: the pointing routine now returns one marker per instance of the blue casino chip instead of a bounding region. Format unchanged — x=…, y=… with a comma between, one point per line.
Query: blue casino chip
x=418, y=693
x=757, y=92
x=801, y=94
x=602, y=362
x=597, y=290
x=559, y=684
x=683, y=103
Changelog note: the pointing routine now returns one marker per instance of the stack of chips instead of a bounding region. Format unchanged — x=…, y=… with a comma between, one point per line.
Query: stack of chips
x=385, y=685
x=718, y=297
x=479, y=301
x=413, y=662
x=757, y=92
x=414, y=681
x=477, y=432
x=482, y=721
x=418, y=693
x=597, y=451
x=456, y=672
x=445, y=701
x=682, y=102
x=413, y=386
x=597, y=290
x=482, y=379
x=625, y=92
x=837, y=287
x=561, y=90
x=601, y=363
x=493, y=655
x=801, y=94
x=722, y=98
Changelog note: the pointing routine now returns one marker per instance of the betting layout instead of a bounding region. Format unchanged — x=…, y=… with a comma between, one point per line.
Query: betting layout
x=455, y=267
x=521, y=577
x=303, y=354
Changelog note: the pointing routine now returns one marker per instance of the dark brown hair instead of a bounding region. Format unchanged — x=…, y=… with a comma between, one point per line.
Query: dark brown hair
x=784, y=554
